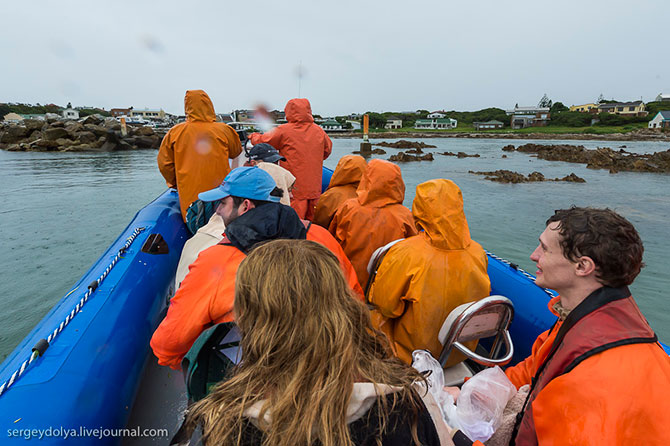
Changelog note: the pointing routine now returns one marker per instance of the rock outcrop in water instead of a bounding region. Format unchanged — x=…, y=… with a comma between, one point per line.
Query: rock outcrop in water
x=373, y=152
x=404, y=157
x=92, y=133
x=507, y=176
x=600, y=158
x=404, y=144
x=460, y=154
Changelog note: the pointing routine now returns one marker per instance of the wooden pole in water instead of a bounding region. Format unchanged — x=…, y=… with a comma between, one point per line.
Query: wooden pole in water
x=366, y=147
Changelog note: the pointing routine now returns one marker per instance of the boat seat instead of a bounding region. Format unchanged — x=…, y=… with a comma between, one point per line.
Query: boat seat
x=486, y=318
x=374, y=263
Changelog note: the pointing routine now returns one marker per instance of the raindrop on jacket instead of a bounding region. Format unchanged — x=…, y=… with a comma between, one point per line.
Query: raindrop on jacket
x=423, y=278
x=193, y=156
x=374, y=218
x=342, y=187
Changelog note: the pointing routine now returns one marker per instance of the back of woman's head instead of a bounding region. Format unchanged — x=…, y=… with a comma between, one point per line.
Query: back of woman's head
x=305, y=341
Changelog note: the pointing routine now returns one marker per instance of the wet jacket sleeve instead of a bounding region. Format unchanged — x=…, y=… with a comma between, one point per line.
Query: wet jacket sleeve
x=273, y=137
x=188, y=314
x=166, y=161
x=234, y=144
x=522, y=373
x=328, y=146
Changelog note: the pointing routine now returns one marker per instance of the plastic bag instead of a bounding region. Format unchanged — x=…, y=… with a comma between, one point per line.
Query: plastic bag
x=482, y=400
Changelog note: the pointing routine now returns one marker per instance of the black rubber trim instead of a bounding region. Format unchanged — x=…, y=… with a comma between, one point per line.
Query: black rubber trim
x=460, y=439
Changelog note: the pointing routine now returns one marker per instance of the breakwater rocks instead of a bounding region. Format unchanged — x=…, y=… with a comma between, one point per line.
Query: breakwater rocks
x=404, y=144
x=507, y=176
x=92, y=133
x=600, y=158
x=404, y=157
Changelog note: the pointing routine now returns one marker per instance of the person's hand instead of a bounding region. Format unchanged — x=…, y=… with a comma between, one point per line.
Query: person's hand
x=453, y=391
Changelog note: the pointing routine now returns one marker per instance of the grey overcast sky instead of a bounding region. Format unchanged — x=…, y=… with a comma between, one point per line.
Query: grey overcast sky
x=355, y=55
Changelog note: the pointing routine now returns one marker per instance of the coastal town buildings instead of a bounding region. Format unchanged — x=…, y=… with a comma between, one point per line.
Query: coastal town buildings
x=70, y=113
x=585, y=108
x=331, y=125
x=437, y=115
x=148, y=114
x=435, y=123
x=522, y=117
x=663, y=97
x=393, y=123
x=118, y=112
x=634, y=108
x=661, y=120
x=488, y=125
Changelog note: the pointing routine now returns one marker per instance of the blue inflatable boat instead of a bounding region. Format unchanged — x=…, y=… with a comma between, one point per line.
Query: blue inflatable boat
x=86, y=374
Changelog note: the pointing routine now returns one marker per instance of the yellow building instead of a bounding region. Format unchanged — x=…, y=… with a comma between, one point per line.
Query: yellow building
x=583, y=108
x=635, y=108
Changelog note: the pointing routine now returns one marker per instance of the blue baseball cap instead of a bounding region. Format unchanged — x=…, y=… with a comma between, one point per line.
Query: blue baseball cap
x=244, y=182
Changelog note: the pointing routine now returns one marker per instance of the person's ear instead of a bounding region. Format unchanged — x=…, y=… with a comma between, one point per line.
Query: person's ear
x=585, y=266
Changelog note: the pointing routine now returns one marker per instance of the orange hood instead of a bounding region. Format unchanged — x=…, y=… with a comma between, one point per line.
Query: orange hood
x=381, y=184
x=298, y=110
x=198, y=106
x=349, y=170
x=438, y=210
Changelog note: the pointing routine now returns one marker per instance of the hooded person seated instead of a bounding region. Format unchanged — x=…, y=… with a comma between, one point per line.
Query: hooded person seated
x=343, y=185
x=375, y=217
x=424, y=277
x=251, y=213
x=265, y=157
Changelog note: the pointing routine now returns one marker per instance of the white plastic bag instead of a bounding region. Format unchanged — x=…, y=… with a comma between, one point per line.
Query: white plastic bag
x=482, y=400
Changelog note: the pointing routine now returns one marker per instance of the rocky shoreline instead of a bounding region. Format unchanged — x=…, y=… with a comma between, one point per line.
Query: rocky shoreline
x=508, y=176
x=600, y=158
x=638, y=135
x=92, y=133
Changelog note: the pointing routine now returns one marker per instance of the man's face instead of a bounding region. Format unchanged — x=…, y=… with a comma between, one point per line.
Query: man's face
x=554, y=270
x=227, y=210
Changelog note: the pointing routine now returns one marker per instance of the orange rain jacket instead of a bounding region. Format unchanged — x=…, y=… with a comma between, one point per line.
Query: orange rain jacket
x=343, y=185
x=618, y=397
x=193, y=156
x=423, y=278
x=375, y=217
x=207, y=293
x=304, y=145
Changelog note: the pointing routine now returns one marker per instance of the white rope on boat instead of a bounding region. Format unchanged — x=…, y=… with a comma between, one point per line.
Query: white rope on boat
x=43, y=344
x=516, y=267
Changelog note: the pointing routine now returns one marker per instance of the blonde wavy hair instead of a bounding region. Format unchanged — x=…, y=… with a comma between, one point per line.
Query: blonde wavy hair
x=305, y=341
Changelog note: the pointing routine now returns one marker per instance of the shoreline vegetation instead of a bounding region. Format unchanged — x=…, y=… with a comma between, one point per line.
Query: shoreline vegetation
x=614, y=133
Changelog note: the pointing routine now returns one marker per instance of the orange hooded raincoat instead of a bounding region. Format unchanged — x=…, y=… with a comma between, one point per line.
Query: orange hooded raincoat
x=304, y=145
x=374, y=218
x=343, y=185
x=193, y=156
x=617, y=397
x=423, y=278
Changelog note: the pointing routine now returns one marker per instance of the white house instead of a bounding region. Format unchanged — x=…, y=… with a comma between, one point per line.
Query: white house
x=661, y=120
x=436, y=123
x=393, y=123
x=70, y=113
x=331, y=124
x=663, y=98
x=436, y=115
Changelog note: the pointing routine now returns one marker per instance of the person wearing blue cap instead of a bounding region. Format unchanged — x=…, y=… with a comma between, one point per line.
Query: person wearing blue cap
x=250, y=208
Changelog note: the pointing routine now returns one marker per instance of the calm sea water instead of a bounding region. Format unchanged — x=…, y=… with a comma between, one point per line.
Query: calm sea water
x=62, y=210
